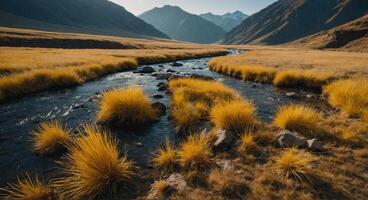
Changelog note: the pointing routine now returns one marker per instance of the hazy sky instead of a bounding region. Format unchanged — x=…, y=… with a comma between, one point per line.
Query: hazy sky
x=197, y=6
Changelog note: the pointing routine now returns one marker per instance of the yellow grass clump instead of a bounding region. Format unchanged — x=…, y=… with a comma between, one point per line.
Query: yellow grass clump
x=50, y=137
x=299, y=118
x=194, y=152
x=302, y=78
x=26, y=189
x=235, y=116
x=247, y=143
x=295, y=165
x=94, y=167
x=126, y=106
x=192, y=100
x=351, y=96
x=165, y=158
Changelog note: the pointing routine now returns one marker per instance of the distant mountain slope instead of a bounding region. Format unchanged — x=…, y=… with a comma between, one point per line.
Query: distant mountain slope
x=351, y=36
x=227, y=21
x=82, y=16
x=181, y=25
x=288, y=20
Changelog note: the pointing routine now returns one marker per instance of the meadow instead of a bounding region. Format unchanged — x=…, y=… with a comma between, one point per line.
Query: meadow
x=222, y=148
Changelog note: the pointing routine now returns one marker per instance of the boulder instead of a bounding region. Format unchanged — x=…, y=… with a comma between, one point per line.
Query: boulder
x=160, y=107
x=170, y=71
x=289, y=139
x=176, y=64
x=146, y=69
x=223, y=140
x=315, y=145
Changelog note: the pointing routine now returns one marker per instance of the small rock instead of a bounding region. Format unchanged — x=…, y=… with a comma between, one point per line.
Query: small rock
x=174, y=76
x=289, y=139
x=146, y=69
x=139, y=144
x=291, y=94
x=160, y=84
x=202, y=77
x=160, y=107
x=163, y=87
x=177, y=181
x=225, y=164
x=164, y=76
x=170, y=71
x=176, y=64
x=160, y=66
x=158, y=96
x=224, y=139
x=254, y=86
x=315, y=145
x=78, y=105
x=309, y=96
x=155, y=74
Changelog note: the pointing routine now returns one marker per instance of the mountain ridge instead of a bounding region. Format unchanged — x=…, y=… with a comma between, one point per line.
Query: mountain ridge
x=226, y=21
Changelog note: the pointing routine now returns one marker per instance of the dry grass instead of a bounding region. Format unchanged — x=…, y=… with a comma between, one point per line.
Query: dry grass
x=226, y=182
x=194, y=152
x=94, y=167
x=247, y=143
x=165, y=157
x=28, y=70
x=299, y=118
x=50, y=137
x=26, y=189
x=126, y=106
x=351, y=96
x=292, y=67
x=192, y=100
x=235, y=116
x=295, y=165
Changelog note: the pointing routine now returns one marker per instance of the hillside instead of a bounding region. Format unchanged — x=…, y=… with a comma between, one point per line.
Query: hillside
x=351, y=36
x=181, y=25
x=288, y=20
x=227, y=21
x=80, y=16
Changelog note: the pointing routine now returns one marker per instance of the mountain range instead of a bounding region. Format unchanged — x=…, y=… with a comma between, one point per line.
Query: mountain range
x=80, y=16
x=181, y=25
x=227, y=21
x=289, y=20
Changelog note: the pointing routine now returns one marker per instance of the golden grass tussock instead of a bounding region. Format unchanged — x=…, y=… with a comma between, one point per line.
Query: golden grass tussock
x=94, y=167
x=192, y=100
x=194, y=152
x=50, y=137
x=299, y=118
x=295, y=165
x=351, y=96
x=247, y=143
x=27, y=189
x=302, y=78
x=235, y=116
x=126, y=106
x=165, y=157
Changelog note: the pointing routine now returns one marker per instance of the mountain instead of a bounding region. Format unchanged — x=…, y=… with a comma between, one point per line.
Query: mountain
x=351, y=36
x=288, y=20
x=81, y=16
x=181, y=25
x=227, y=21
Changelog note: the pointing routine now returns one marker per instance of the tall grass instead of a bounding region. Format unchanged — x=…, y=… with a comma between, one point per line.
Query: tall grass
x=50, y=137
x=299, y=118
x=295, y=165
x=192, y=100
x=165, y=157
x=302, y=78
x=126, y=106
x=235, y=116
x=94, y=167
x=194, y=152
x=26, y=189
x=351, y=96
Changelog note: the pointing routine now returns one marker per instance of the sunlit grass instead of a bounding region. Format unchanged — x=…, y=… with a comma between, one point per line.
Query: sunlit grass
x=165, y=157
x=194, y=152
x=302, y=78
x=126, y=106
x=247, y=143
x=295, y=165
x=50, y=137
x=351, y=96
x=235, y=116
x=299, y=118
x=27, y=188
x=94, y=167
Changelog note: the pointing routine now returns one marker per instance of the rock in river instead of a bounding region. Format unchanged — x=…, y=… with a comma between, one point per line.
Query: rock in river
x=146, y=69
x=176, y=64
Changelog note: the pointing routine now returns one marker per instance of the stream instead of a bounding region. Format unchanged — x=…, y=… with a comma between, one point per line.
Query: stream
x=77, y=105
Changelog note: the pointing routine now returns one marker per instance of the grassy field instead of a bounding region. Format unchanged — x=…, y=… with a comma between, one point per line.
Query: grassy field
x=26, y=70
